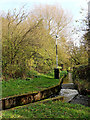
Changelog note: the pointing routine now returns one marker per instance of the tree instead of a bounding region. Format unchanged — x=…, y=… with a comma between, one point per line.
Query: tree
x=28, y=42
x=85, y=29
x=14, y=43
x=56, y=21
x=78, y=54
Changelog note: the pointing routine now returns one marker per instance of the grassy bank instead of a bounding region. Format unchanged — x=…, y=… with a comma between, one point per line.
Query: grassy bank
x=18, y=86
x=35, y=83
x=51, y=109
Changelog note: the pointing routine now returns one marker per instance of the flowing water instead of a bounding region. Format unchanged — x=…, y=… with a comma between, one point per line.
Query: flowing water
x=68, y=79
x=68, y=94
x=68, y=90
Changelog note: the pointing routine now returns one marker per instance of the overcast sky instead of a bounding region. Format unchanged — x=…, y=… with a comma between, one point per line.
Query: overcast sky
x=72, y=6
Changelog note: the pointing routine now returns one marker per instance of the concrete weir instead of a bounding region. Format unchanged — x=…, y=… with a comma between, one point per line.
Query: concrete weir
x=68, y=90
x=18, y=100
x=68, y=94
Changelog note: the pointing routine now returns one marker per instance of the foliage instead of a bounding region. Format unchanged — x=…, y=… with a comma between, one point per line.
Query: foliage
x=81, y=78
x=59, y=67
x=78, y=54
x=63, y=73
x=82, y=72
x=51, y=109
x=32, y=73
x=27, y=42
x=84, y=28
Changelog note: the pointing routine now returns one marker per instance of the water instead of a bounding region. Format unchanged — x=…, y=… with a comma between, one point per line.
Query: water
x=68, y=90
x=68, y=94
x=68, y=79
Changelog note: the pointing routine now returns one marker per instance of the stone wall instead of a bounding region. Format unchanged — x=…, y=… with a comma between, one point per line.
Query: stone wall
x=18, y=100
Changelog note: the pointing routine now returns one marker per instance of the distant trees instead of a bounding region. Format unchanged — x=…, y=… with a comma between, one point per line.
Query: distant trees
x=87, y=34
x=55, y=19
x=85, y=29
x=78, y=54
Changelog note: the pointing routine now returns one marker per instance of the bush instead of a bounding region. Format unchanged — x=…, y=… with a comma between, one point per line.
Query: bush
x=81, y=78
x=32, y=74
x=82, y=72
x=63, y=73
x=14, y=71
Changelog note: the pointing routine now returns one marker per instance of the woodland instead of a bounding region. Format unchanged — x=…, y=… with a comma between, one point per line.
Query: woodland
x=29, y=41
x=28, y=59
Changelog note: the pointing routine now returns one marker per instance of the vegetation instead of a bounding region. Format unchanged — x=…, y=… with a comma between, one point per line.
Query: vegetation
x=30, y=84
x=81, y=78
x=28, y=42
x=86, y=35
x=29, y=57
x=18, y=86
x=51, y=109
x=84, y=28
x=81, y=69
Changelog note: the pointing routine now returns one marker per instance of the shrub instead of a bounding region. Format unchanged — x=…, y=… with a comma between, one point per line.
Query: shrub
x=32, y=74
x=81, y=78
x=82, y=72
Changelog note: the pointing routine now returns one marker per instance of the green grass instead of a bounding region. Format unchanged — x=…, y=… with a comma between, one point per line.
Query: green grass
x=51, y=109
x=18, y=86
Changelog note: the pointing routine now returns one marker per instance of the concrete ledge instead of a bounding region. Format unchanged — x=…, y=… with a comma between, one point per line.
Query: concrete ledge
x=59, y=98
x=17, y=100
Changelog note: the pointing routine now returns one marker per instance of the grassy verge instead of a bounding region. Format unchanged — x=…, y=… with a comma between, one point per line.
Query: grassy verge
x=51, y=109
x=19, y=86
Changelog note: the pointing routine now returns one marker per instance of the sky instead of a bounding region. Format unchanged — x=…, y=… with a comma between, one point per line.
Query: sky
x=72, y=6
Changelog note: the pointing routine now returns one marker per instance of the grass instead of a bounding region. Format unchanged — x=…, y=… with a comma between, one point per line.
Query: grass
x=51, y=109
x=19, y=86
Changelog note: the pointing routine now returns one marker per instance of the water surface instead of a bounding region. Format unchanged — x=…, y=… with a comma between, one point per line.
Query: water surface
x=68, y=90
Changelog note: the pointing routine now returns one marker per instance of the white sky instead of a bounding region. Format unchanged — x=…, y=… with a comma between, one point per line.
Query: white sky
x=73, y=6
